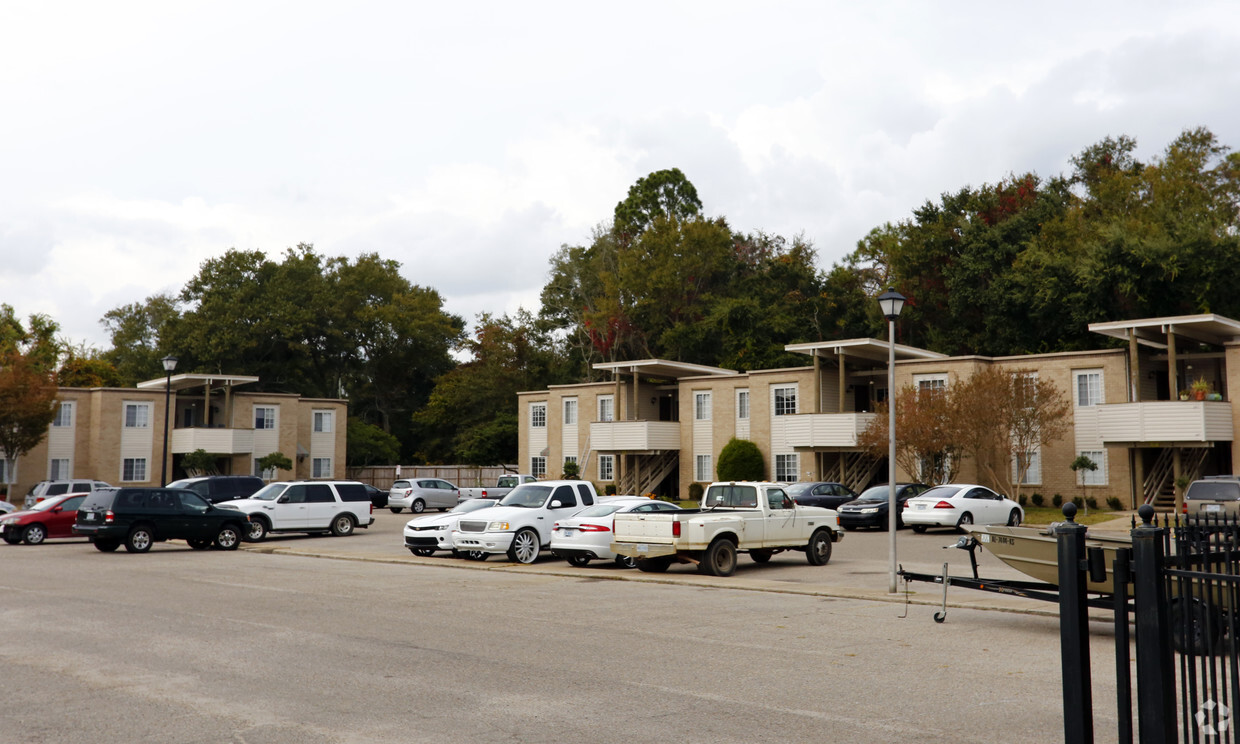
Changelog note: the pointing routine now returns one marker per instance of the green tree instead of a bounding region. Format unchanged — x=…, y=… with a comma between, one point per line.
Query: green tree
x=84, y=367
x=275, y=461
x=741, y=460
x=28, y=403
x=135, y=330
x=664, y=194
x=370, y=445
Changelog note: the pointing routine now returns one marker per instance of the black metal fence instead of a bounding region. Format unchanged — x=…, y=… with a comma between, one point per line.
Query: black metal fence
x=1179, y=589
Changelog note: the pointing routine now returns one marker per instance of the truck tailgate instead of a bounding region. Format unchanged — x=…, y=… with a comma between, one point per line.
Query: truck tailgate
x=639, y=527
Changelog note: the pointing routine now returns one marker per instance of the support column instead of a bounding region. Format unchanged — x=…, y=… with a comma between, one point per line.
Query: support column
x=1138, y=474
x=1134, y=369
x=843, y=381
x=636, y=401
x=1177, y=469
x=816, y=400
x=206, y=405
x=616, y=407
x=1171, y=366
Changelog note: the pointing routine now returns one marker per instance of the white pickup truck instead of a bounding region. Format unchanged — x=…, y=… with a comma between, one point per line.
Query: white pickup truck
x=758, y=518
x=521, y=523
x=502, y=486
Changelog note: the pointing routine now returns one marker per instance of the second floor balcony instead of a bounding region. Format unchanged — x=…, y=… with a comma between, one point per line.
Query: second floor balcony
x=821, y=430
x=1168, y=421
x=219, y=441
x=634, y=436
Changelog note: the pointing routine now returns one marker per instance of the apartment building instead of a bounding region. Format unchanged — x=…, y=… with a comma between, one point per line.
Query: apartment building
x=658, y=426
x=117, y=434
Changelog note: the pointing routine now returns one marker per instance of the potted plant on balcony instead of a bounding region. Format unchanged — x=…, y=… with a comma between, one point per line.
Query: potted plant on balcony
x=1200, y=388
x=1183, y=395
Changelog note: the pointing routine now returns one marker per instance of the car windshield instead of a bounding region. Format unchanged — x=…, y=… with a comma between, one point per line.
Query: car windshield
x=269, y=492
x=599, y=510
x=472, y=505
x=402, y=484
x=529, y=496
x=796, y=489
x=939, y=492
x=183, y=483
x=876, y=493
x=1219, y=490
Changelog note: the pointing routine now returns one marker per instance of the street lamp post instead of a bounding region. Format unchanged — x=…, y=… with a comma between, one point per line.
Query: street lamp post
x=170, y=363
x=891, y=302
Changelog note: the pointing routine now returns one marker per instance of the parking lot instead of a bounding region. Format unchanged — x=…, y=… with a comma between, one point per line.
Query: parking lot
x=369, y=643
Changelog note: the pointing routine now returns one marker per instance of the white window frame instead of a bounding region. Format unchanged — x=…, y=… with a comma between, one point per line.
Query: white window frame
x=64, y=416
x=133, y=470
x=742, y=405
x=780, y=397
x=606, y=408
x=1033, y=476
x=1093, y=387
x=606, y=467
x=266, y=419
x=7, y=475
x=570, y=411
x=936, y=381
x=58, y=473
x=1095, y=477
x=538, y=415
x=703, y=471
x=787, y=468
x=538, y=466
x=321, y=467
x=702, y=405
x=142, y=415
x=324, y=422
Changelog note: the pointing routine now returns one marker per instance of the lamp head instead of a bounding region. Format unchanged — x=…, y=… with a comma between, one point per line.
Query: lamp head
x=170, y=363
x=891, y=302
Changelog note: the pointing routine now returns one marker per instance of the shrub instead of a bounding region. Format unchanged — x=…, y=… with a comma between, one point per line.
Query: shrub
x=1091, y=502
x=695, y=492
x=1078, y=501
x=609, y=489
x=571, y=470
x=1057, y=501
x=1023, y=500
x=1113, y=503
x=740, y=460
x=1038, y=500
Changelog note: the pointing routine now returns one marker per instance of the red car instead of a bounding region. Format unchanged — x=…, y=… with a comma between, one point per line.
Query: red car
x=51, y=517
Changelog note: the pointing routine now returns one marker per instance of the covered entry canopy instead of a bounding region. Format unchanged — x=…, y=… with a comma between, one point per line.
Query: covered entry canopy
x=662, y=368
x=869, y=349
x=196, y=381
x=1153, y=332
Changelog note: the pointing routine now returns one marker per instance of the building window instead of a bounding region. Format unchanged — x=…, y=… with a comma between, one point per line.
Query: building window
x=606, y=467
x=133, y=469
x=786, y=467
x=64, y=415
x=58, y=469
x=137, y=416
x=785, y=401
x=265, y=417
x=702, y=471
x=322, y=422
x=7, y=474
x=321, y=467
x=538, y=466
x=570, y=412
x=742, y=404
x=701, y=406
x=538, y=415
x=1033, y=475
x=930, y=382
x=1089, y=387
x=1095, y=477
x=606, y=408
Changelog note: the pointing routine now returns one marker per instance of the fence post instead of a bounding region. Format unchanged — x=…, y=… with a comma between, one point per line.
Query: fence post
x=1155, y=670
x=1078, y=706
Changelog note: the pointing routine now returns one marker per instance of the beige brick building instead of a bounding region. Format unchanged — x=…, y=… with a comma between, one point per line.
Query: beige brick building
x=117, y=434
x=658, y=426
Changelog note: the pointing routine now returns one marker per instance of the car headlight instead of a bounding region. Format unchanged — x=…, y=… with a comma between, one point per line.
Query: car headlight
x=871, y=510
x=11, y=520
x=498, y=527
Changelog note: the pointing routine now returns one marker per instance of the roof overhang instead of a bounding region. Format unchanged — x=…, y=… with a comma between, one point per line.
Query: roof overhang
x=862, y=348
x=662, y=368
x=194, y=381
x=1207, y=329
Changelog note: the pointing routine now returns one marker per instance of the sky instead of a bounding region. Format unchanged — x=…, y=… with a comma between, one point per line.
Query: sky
x=469, y=141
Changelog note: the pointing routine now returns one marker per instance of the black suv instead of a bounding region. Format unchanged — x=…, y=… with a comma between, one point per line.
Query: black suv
x=139, y=517
x=217, y=488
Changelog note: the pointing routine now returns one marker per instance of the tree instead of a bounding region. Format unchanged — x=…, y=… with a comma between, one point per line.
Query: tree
x=1081, y=464
x=571, y=471
x=136, y=330
x=740, y=459
x=86, y=368
x=28, y=405
x=664, y=194
x=275, y=461
x=370, y=445
x=926, y=446
x=199, y=462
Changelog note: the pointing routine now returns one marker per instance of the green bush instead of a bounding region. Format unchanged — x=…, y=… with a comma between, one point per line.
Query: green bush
x=1023, y=500
x=571, y=470
x=609, y=489
x=741, y=460
x=695, y=492
x=1091, y=502
x=1038, y=500
x=1057, y=501
x=1114, y=504
x=1078, y=501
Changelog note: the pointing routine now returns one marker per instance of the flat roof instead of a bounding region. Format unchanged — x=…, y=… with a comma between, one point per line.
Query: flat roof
x=188, y=381
x=865, y=348
x=1207, y=329
x=663, y=368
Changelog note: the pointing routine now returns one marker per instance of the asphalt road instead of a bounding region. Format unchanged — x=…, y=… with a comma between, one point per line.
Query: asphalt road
x=256, y=646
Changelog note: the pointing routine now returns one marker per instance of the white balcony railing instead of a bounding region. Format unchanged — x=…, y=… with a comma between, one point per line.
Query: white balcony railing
x=634, y=436
x=1161, y=421
x=218, y=441
x=806, y=430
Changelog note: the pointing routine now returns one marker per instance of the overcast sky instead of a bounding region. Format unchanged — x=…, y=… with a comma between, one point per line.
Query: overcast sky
x=470, y=140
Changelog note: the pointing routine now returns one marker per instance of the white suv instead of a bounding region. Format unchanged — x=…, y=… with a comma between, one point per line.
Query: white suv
x=43, y=489
x=306, y=506
x=520, y=524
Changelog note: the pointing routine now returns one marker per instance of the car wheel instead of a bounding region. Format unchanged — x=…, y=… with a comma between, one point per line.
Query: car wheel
x=1014, y=518
x=342, y=525
x=965, y=519
x=443, y=508
x=34, y=534
x=394, y=509
x=818, y=551
x=197, y=544
x=761, y=556
x=139, y=540
x=424, y=552
x=919, y=528
x=456, y=553
x=653, y=565
x=229, y=538
x=719, y=559
x=525, y=546
x=850, y=527
x=581, y=561
x=257, y=529
x=477, y=555
x=418, y=506
x=626, y=561
x=107, y=546
x=12, y=538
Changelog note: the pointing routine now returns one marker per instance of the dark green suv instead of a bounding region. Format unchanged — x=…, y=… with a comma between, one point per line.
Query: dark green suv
x=140, y=517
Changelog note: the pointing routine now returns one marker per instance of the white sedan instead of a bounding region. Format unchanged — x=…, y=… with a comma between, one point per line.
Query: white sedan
x=957, y=505
x=425, y=535
x=586, y=535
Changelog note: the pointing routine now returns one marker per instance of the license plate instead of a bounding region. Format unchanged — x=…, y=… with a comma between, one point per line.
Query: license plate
x=921, y=506
x=90, y=516
x=643, y=548
x=1214, y=507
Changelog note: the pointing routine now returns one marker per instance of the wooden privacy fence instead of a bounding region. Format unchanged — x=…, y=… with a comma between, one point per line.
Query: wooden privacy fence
x=461, y=476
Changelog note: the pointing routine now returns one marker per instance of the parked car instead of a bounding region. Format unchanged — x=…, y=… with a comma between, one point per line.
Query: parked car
x=51, y=517
x=959, y=504
x=587, y=535
x=520, y=525
x=6, y=507
x=43, y=489
x=336, y=507
x=817, y=493
x=870, y=508
x=426, y=534
x=1215, y=497
x=217, y=488
x=417, y=494
x=503, y=485
x=140, y=517
x=378, y=497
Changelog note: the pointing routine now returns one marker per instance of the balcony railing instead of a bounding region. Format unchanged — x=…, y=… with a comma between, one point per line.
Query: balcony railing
x=807, y=430
x=218, y=441
x=634, y=436
x=1159, y=421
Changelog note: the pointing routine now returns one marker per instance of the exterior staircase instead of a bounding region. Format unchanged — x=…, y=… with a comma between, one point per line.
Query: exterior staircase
x=1159, y=487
